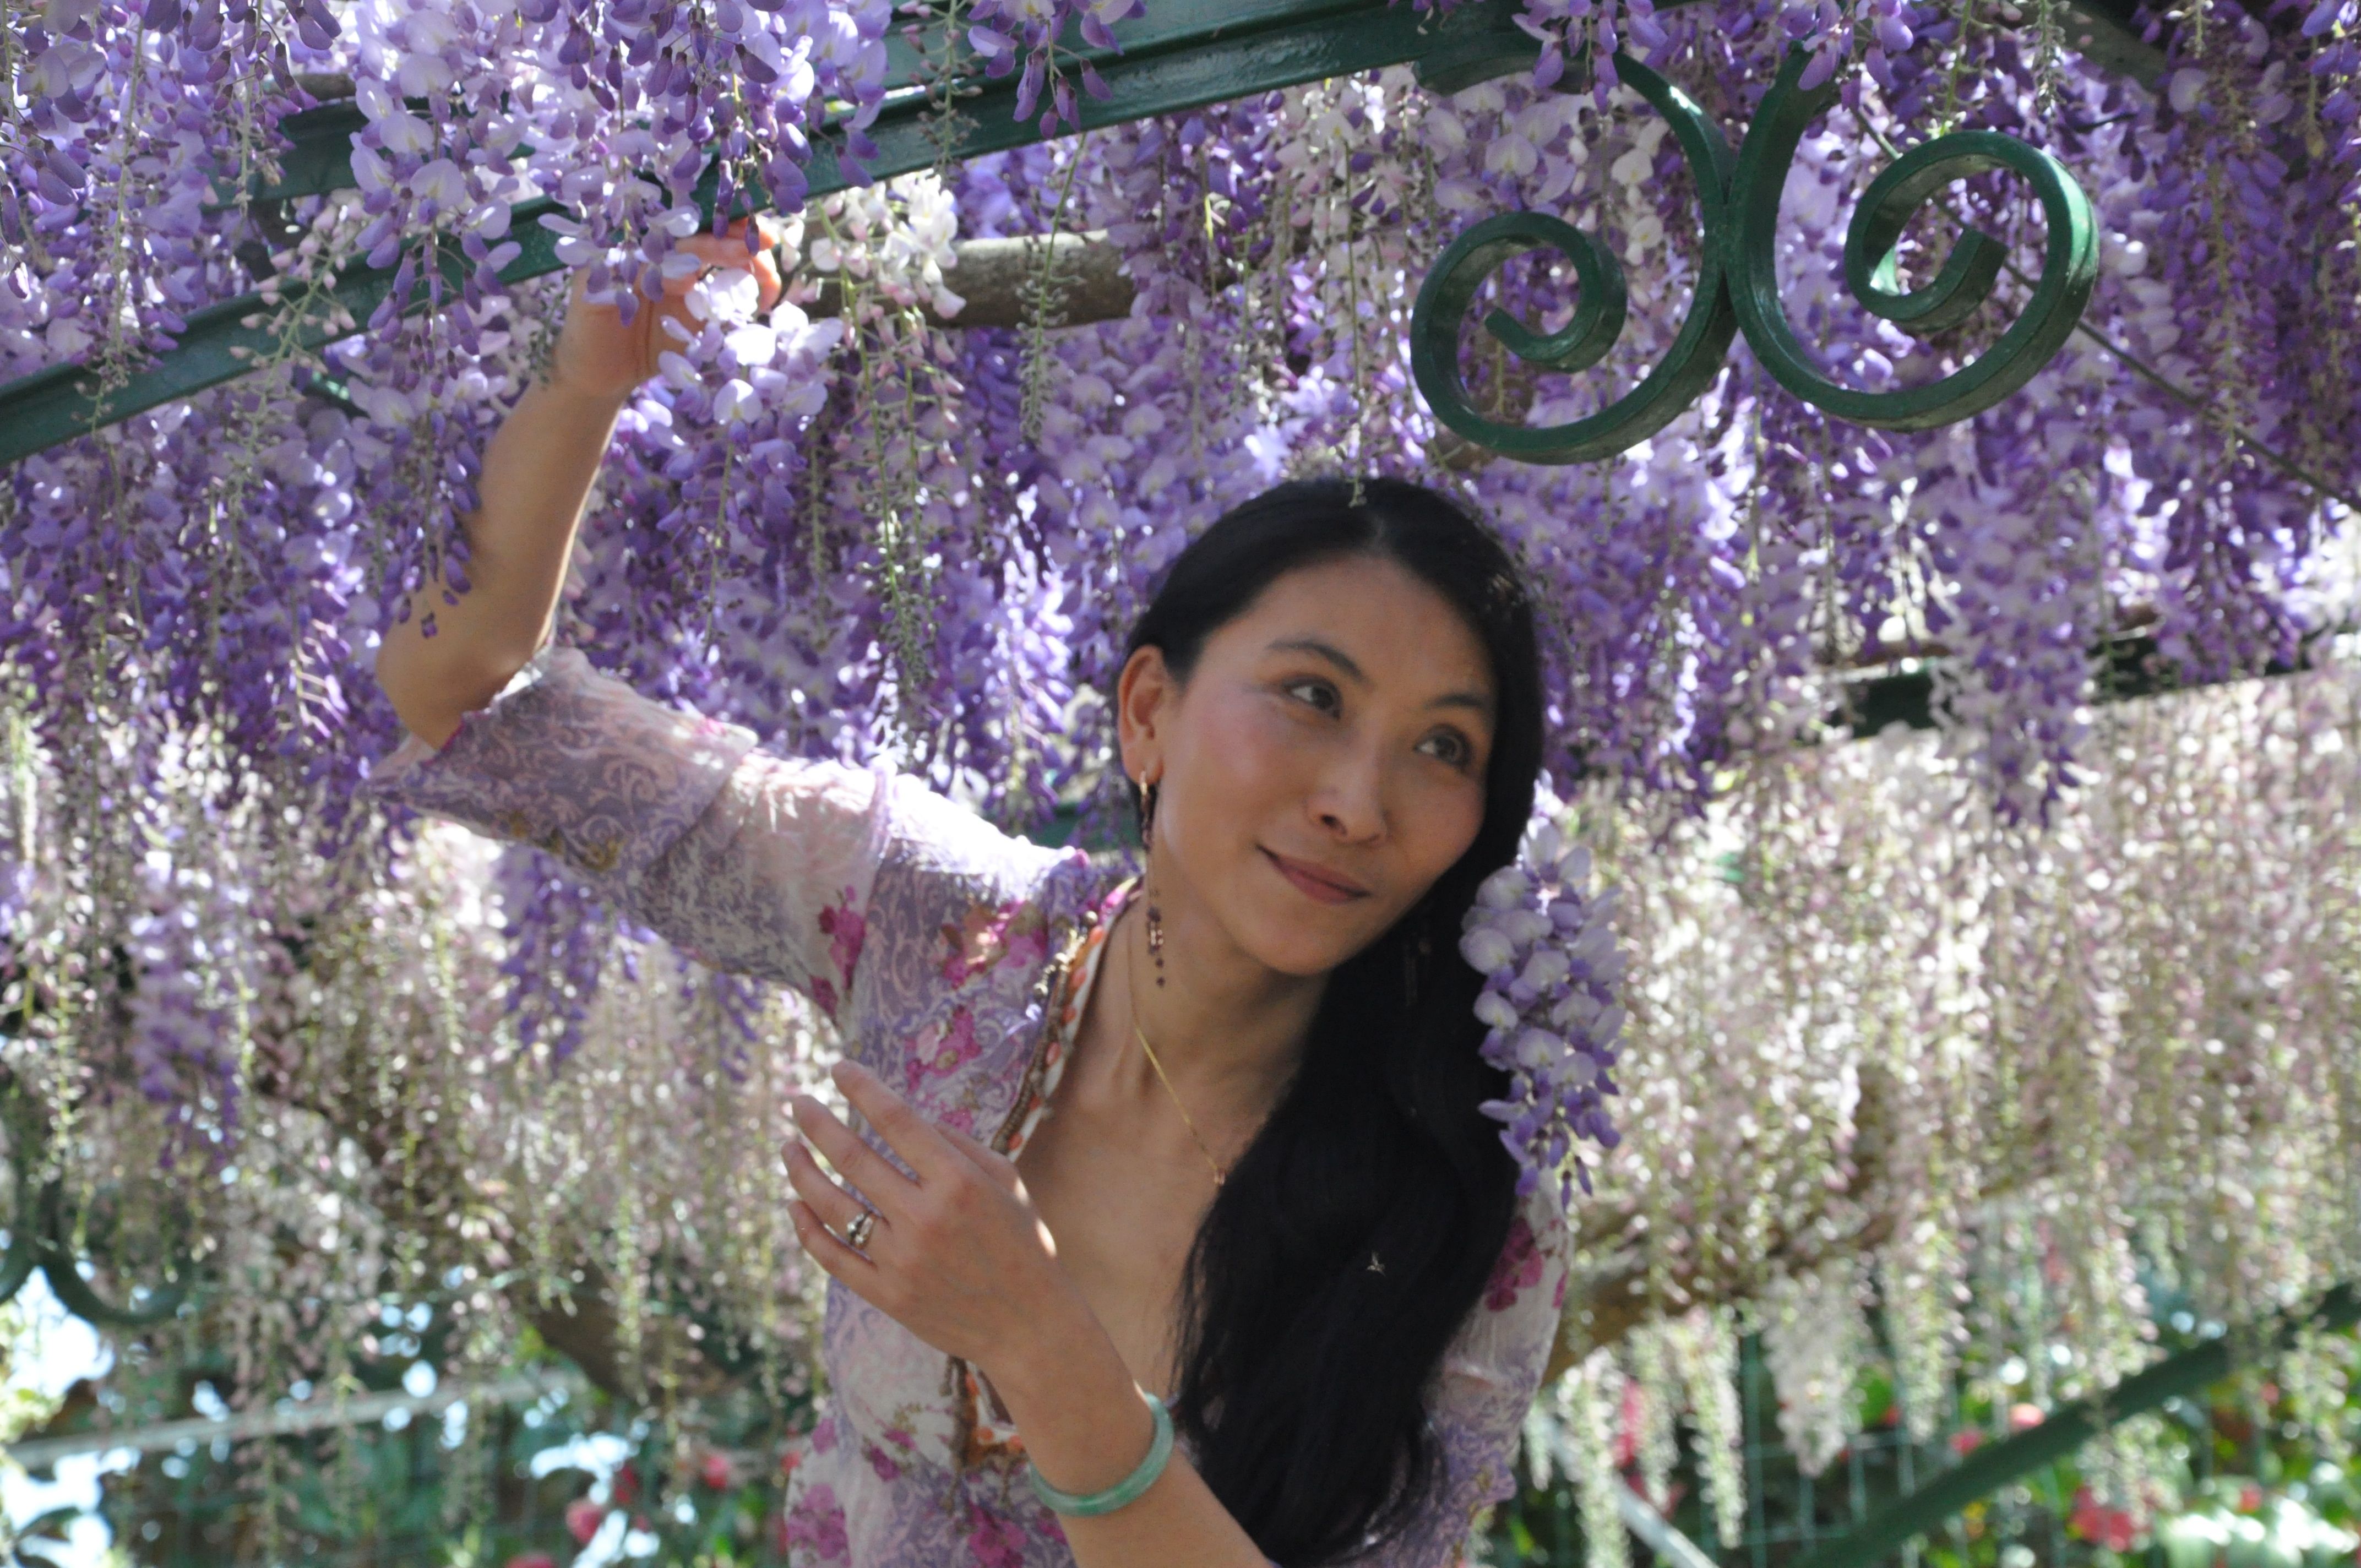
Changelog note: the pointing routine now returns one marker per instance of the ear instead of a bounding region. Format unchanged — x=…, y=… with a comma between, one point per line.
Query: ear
x=1144, y=695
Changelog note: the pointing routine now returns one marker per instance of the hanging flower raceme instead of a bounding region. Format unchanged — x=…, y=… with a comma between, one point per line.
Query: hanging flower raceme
x=1547, y=950
x=1006, y=29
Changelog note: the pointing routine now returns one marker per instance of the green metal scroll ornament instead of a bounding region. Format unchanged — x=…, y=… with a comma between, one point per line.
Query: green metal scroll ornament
x=40, y=1236
x=1677, y=379
x=2069, y=266
x=38, y=1240
x=1738, y=286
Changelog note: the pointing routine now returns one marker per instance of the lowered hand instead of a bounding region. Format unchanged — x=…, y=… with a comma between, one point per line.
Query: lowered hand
x=959, y=1257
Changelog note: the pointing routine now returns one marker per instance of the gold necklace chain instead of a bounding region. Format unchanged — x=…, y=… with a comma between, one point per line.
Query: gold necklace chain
x=1220, y=1174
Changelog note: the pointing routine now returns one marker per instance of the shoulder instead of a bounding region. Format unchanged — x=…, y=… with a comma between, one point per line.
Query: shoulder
x=965, y=927
x=1530, y=1275
x=928, y=833
x=990, y=896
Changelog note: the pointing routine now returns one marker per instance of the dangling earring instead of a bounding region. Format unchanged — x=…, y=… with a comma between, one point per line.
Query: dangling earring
x=1148, y=842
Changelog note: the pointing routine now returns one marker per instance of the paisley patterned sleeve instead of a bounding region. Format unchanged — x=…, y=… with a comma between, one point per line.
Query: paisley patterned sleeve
x=1489, y=1377
x=753, y=865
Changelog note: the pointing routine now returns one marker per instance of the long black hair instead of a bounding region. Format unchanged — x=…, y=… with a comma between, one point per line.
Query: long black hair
x=1303, y=1371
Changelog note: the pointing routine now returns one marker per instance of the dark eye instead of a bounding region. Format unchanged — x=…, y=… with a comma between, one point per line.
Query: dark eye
x=1460, y=753
x=1321, y=687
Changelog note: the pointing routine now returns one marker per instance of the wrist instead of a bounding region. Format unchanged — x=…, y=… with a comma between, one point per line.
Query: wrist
x=1059, y=1355
x=1086, y=1424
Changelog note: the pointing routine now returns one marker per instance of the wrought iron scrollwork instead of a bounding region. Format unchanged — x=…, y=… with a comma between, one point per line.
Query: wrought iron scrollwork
x=2070, y=265
x=41, y=1232
x=1738, y=287
x=38, y=1240
x=1677, y=379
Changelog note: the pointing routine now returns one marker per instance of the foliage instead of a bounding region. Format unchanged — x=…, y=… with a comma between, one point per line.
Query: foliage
x=2255, y=1471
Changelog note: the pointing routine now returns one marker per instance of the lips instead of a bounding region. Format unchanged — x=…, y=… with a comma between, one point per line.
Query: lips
x=1315, y=883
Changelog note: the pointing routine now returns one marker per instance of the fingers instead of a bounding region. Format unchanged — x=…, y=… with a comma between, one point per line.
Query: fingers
x=998, y=1166
x=920, y=1142
x=827, y=1248
x=835, y=1206
x=855, y=1160
x=731, y=249
x=703, y=252
x=974, y=1147
x=766, y=275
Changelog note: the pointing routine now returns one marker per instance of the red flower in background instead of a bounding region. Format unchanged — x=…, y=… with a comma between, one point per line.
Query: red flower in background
x=583, y=1518
x=2114, y=1528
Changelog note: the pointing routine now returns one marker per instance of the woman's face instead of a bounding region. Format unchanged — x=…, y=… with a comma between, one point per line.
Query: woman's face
x=1324, y=765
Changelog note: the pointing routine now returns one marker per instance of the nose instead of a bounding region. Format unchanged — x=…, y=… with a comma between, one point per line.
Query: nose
x=1350, y=802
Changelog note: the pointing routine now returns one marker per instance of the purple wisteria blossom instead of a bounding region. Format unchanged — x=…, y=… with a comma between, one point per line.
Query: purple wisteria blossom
x=1545, y=946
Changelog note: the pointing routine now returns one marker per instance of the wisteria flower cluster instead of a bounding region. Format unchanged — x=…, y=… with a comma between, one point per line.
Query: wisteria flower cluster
x=1545, y=946
x=1004, y=31
x=1592, y=31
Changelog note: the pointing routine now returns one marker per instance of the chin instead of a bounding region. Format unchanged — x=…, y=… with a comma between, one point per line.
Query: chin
x=1298, y=949
x=1306, y=968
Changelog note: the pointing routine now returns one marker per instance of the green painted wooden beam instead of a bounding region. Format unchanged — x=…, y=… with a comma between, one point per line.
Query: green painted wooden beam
x=1325, y=36
x=2071, y=1426
x=54, y=405
x=2129, y=667
x=1184, y=55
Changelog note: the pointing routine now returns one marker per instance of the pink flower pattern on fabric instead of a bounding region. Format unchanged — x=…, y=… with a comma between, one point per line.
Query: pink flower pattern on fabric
x=994, y=1541
x=815, y=1524
x=939, y=947
x=943, y=1055
x=988, y=935
x=1520, y=1266
x=843, y=926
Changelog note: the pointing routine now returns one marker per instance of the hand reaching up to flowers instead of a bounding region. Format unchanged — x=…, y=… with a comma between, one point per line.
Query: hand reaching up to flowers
x=457, y=642
x=602, y=354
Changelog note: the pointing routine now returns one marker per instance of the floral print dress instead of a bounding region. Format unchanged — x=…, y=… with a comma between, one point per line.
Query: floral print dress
x=956, y=962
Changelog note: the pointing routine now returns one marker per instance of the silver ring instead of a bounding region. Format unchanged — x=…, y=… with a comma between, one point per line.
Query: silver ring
x=856, y=1235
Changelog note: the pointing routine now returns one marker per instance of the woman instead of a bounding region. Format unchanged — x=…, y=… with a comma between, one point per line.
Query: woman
x=1205, y=1142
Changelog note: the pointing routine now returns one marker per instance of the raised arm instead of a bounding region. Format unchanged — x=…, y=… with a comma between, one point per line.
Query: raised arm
x=536, y=475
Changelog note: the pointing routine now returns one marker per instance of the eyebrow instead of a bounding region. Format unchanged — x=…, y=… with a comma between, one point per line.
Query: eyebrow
x=1343, y=662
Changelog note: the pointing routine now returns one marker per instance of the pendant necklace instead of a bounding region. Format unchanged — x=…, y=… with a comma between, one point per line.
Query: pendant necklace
x=1220, y=1173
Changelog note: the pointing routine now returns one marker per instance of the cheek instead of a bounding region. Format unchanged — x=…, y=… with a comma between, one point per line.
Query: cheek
x=1251, y=750
x=1447, y=820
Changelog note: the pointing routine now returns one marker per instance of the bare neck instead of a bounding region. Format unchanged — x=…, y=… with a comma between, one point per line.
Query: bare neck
x=1227, y=1029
